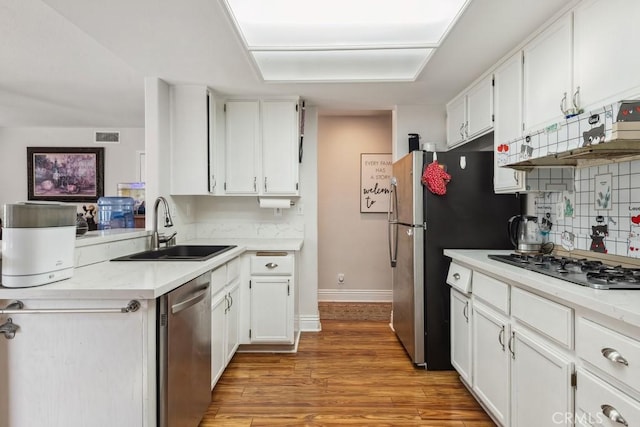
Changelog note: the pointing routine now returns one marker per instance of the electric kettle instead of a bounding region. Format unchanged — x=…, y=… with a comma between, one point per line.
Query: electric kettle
x=524, y=234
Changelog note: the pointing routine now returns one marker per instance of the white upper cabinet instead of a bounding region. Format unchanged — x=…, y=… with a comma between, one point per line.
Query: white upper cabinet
x=261, y=147
x=471, y=113
x=508, y=123
x=606, y=54
x=456, y=121
x=242, y=127
x=548, y=71
x=193, y=153
x=280, y=147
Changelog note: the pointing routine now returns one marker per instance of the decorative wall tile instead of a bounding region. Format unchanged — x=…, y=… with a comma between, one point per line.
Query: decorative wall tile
x=622, y=218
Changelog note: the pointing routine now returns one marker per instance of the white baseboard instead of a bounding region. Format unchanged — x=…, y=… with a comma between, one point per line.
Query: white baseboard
x=309, y=323
x=354, y=295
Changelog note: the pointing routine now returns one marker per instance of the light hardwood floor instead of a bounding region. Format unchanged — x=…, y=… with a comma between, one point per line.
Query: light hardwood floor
x=353, y=373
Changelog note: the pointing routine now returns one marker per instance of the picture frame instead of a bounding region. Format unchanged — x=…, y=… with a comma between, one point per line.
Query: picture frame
x=375, y=176
x=65, y=174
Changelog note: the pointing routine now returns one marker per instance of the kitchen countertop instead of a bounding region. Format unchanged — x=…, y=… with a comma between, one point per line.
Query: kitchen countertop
x=623, y=305
x=141, y=279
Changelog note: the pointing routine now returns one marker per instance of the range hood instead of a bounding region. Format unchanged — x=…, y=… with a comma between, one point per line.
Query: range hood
x=610, y=152
x=606, y=135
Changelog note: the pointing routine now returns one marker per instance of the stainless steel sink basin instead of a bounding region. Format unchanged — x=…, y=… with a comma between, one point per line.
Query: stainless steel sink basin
x=178, y=253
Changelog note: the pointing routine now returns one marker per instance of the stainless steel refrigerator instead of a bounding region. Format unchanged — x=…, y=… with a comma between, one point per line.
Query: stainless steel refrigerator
x=421, y=225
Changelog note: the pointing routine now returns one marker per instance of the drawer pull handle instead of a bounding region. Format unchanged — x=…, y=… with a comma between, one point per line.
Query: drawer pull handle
x=613, y=414
x=271, y=265
x=456, y=276
x=614, y=356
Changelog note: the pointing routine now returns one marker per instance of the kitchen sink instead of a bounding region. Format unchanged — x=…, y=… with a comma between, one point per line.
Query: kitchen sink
x=178, y=253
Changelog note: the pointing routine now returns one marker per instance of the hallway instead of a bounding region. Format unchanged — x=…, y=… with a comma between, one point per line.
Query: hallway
x=352, y=373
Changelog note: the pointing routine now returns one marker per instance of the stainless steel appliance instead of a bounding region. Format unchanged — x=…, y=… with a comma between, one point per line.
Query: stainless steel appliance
x=421, y=226
x=184, y=353
x=581, y=271
x=524, y=234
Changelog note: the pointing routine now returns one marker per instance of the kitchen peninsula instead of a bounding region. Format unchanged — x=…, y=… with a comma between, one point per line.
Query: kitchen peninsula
x=94, y=361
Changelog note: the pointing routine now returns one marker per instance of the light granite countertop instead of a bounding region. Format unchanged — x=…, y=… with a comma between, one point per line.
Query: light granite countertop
x=140, y=279
x=623, y=305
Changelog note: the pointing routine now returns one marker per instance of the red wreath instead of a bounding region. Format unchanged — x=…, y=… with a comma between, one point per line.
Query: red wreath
x=435, y=178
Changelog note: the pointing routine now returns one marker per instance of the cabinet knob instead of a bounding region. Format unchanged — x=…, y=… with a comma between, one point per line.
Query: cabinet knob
x=614, y=356
x=501, y=337
x=613, y=414
x=456, y=276
x=271, y=265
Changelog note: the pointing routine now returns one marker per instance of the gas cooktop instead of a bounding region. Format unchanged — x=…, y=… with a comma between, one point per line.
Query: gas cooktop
x=584, y=272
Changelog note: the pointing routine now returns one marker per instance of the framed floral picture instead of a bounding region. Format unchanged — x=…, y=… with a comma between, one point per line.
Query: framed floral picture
x=65, y=174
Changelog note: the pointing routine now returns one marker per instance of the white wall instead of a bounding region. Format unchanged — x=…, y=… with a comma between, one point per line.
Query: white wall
x=350, y=242
x=120, y=159
x=429, y=121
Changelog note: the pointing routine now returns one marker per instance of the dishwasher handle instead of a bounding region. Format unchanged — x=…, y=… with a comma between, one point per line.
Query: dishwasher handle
x=183, y=305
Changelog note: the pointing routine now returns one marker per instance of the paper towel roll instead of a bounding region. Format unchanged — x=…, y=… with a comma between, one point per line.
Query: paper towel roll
x=275, y=203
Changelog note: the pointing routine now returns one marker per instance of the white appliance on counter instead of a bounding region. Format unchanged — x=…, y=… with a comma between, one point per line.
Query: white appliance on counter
x=38, y=243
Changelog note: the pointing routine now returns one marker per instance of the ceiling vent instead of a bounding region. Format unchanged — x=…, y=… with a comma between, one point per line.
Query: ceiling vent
x=106, y=137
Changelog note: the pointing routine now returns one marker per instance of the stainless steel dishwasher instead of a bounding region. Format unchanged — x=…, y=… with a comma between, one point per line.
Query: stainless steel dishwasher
x=184, y=353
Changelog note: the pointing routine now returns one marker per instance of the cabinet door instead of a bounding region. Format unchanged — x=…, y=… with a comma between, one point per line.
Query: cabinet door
x=461, y=334
x=192, y=131
x=271, y=310
x=76, y=369
x=219, y=305
x=456, y=121
x=548, y=75
x=508, y=123
x=279, y=147
x=541, y=391
x=605, y=35
x=491, y=359
x=480, y=108
x=242, y=127
x=232, y=320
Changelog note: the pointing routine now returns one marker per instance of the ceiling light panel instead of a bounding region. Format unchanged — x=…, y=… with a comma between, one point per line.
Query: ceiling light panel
x=282, y=34
x=342, y=65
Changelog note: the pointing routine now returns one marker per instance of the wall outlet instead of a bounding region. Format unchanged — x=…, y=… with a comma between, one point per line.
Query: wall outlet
x=340, y=278
x=299, y=209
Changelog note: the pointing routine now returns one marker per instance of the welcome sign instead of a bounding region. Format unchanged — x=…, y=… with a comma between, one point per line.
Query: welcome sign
x=375, y=176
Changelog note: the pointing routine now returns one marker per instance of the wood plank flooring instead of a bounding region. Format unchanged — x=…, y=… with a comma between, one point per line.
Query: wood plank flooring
x=353, y=373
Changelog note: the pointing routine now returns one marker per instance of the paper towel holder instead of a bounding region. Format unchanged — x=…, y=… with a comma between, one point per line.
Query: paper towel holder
x=291, y=202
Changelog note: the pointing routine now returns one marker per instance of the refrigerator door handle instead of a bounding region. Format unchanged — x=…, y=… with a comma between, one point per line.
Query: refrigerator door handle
x=393, y=223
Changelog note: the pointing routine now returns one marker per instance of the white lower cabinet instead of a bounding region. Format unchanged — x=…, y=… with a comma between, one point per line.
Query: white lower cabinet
x=491, y=360
x=461, y=334
x=522, y=368
x=225, y=309
x=541, y=391
x=78, y=369
x=271, y=294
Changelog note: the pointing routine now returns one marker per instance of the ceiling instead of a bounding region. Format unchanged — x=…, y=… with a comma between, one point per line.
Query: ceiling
x=82, y=63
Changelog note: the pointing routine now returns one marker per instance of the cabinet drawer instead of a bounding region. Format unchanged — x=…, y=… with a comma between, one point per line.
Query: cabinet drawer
x=459, y=277
x=491, y=291
x=218, y=279
x=272, y=264
x=547, y=317
x=597, y=402
x=614, y=353
x=233, y=270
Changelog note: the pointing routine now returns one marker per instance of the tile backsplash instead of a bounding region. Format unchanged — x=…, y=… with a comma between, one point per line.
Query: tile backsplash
x=602, y=214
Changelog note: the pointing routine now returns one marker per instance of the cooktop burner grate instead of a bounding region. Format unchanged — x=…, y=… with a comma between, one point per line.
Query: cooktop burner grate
x=581, y=271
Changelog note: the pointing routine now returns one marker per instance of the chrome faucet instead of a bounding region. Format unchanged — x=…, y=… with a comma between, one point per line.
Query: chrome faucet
x=157, y=239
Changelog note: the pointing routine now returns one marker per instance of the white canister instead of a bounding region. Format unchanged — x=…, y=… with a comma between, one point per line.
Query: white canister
x=38, y=243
